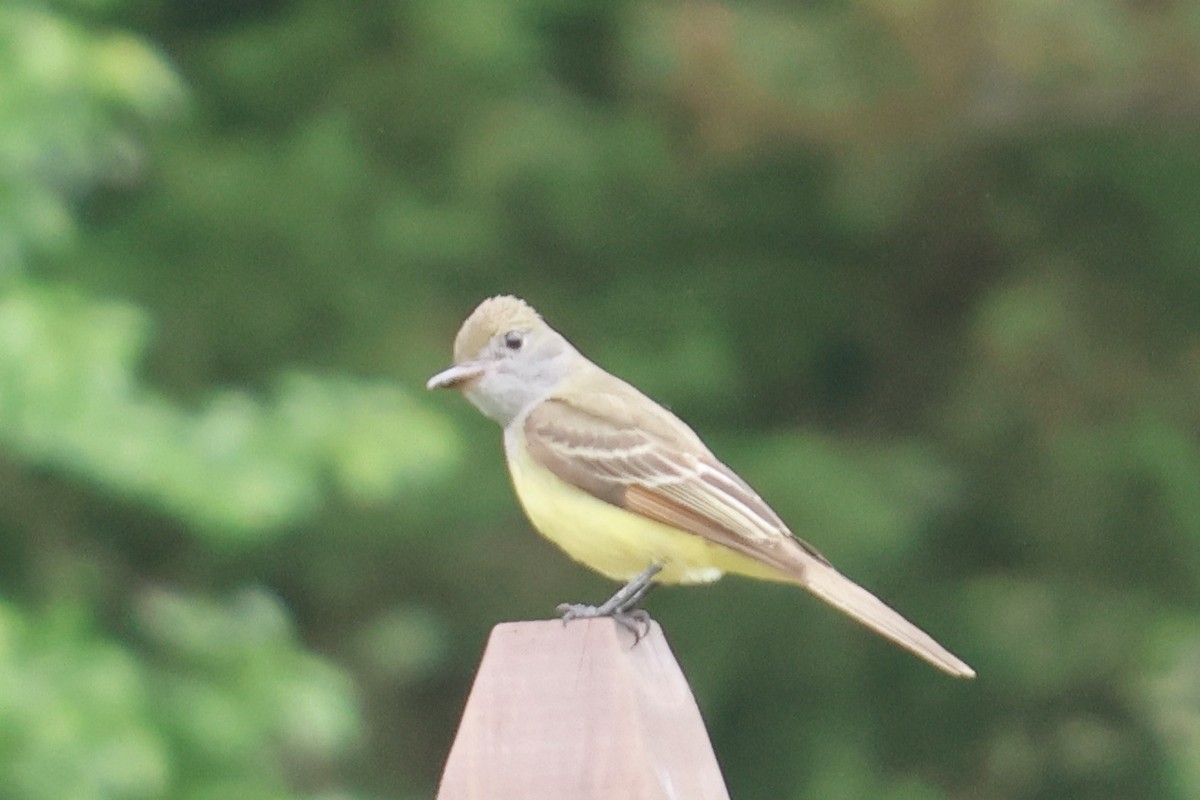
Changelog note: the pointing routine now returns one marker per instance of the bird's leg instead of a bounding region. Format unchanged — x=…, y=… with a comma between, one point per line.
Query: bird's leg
x=622, y=606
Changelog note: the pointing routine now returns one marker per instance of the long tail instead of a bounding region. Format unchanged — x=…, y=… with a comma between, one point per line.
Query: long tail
x=840, y=592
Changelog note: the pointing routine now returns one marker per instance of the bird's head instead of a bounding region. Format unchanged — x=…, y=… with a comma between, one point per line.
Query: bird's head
x=506, y=358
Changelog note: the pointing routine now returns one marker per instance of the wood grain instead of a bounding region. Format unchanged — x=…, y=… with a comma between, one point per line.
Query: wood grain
x=578, y=711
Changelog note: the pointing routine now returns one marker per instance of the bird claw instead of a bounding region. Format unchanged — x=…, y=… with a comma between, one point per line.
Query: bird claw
x=635, y=620
x=570, y=611
x=621, y=607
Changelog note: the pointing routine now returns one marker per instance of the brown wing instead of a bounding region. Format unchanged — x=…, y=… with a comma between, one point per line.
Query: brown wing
x=672, y=479
x=640, y=457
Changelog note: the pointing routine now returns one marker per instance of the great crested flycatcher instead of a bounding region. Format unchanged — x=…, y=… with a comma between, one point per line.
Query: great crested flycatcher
x=624, y=486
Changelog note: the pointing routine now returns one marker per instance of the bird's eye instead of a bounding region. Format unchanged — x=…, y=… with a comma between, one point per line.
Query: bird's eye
x=513, y=340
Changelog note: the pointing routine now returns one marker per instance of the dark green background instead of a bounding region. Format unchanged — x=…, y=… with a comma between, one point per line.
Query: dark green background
x=926, y=273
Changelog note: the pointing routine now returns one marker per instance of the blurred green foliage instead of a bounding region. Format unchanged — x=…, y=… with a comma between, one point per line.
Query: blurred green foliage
x=926, y=273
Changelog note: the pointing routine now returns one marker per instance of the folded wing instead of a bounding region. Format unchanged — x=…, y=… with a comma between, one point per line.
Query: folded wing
x=656, y=466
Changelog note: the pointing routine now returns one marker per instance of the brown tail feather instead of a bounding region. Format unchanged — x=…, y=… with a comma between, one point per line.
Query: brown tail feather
x=842, y=593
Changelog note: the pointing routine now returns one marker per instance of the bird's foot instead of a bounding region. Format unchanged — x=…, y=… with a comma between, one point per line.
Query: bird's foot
x=622, y=606
x=636, y=621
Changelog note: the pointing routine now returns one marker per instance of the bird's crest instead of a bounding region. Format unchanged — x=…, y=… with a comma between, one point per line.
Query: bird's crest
x=494, y=315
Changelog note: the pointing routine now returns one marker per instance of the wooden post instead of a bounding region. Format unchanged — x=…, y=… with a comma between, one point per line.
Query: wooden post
x=577, y=711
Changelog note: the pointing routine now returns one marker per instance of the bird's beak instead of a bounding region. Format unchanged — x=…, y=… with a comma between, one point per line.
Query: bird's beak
x=456, y=377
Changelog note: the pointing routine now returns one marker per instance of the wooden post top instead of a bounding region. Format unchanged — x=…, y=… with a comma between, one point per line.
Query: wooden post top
x=576, y=712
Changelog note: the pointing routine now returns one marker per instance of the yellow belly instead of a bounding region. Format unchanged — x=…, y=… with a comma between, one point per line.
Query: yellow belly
x=615, y=542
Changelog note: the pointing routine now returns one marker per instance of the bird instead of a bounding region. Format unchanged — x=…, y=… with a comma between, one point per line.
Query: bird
x=625, y=487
